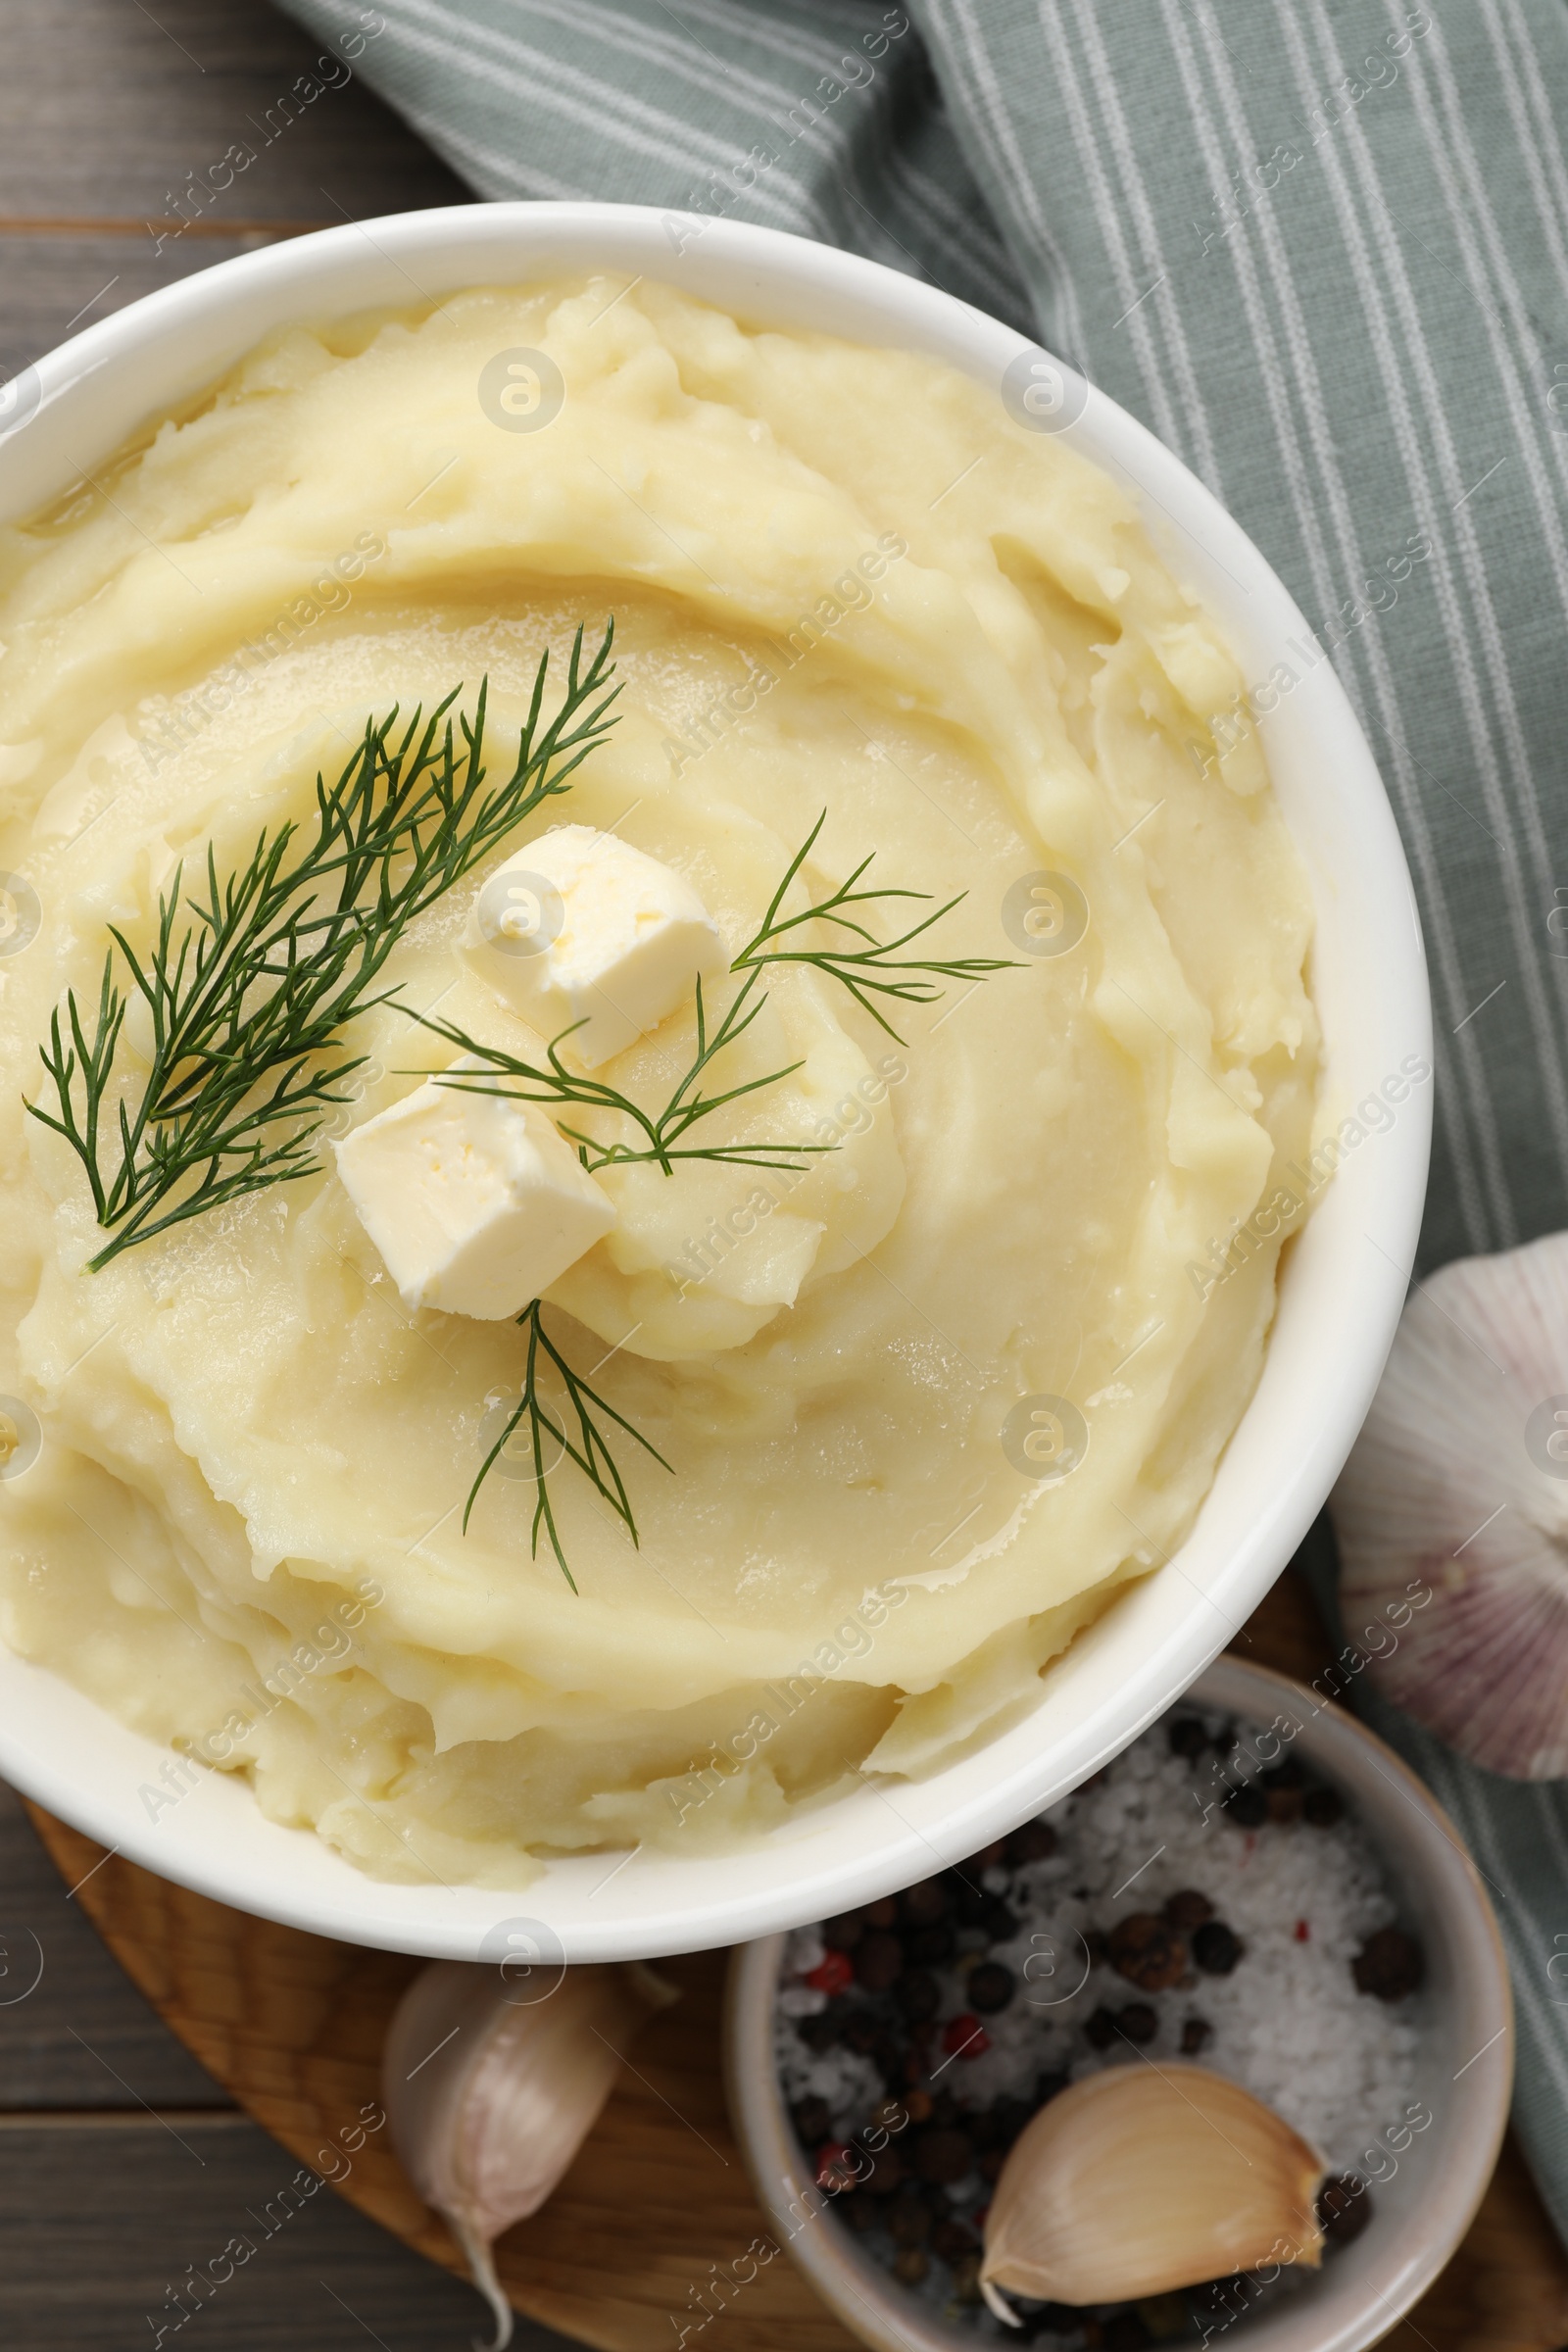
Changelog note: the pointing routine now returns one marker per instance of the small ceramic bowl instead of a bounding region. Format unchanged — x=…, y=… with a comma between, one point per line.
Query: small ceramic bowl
x=1465, y=2072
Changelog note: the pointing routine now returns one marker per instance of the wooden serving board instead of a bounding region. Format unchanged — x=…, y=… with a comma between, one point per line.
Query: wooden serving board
x=292, y=2024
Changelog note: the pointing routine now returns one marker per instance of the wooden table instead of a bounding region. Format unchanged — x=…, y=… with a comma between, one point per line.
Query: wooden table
x=122, y=2160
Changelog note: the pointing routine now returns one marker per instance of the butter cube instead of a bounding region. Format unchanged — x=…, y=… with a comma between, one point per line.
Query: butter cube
x=475, y=1203
x=580, y=927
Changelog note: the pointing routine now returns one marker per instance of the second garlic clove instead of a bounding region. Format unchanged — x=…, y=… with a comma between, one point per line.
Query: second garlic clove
x=489, y=2094
x=1141, y=2179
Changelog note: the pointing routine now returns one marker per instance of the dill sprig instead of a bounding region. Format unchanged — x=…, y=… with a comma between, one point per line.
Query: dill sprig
x=511, y=1077
x=591, y=1451
x=875, y=969
x=248, y=990
x=871, y=969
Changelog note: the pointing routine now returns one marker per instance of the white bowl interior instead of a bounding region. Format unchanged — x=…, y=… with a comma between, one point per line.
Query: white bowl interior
x=1464, y=2075
x=1342, y=1281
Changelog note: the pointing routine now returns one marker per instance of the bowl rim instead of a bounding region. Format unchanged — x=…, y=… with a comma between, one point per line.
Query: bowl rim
x=79, y=1762
x=860, y=2293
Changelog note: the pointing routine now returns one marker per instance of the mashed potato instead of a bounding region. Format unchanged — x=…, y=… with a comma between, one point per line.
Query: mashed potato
x=927, y=1405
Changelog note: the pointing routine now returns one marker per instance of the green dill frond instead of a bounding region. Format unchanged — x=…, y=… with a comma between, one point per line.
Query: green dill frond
x=514, y=1078
x=875, y=969
x=589, y=1450
x=251, y=983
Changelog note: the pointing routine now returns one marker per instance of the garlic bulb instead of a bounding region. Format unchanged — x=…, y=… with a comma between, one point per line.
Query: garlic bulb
x=1146, y=2178
x=1453, y=1513
x=489, y=2098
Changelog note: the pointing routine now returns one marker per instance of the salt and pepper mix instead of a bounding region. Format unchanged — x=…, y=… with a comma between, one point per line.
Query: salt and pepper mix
x=1192, y=1904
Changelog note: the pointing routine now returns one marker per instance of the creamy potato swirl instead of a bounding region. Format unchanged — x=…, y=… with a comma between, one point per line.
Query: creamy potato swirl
x=843, y=579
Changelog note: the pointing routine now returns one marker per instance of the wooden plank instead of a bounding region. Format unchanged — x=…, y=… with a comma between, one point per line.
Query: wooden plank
x=101, y=2220
x=73, y=2029
x=109, y=108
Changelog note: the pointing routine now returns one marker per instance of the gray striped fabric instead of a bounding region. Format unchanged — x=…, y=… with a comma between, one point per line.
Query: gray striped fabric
x=1321, y=248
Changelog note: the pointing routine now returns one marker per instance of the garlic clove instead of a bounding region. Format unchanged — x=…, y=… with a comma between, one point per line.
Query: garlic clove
x=489, y=2095
x=1146, y=2177
x=1453, y=1513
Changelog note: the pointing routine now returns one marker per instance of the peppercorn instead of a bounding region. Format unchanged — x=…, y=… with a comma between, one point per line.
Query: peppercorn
x=1147, y=1951
x=834, y=2172
x=832, y=1973
x=812, y=2122
x=930, y=1947
x=952, y=2240
x=1285, y=1805
x=888, y=2055
x=1196, y=2035
x=918, y=2106
x=1246, y=1807
x=987, y=1858
x=1187, y=1737
x=860, y=2032
x=1187, y=1909
x=887, y=2174
x=843, y=1934
x=922, y=1906
x=1323, y=1808
x=908, y=2218
x=819, y=2033
x=1101, y=2030
x=1097, y=1944
x=883, y=1913
x=878, y=1961
x=1343, y=2209
x=1138, y=2022
x=856, y=2213
x=967, y=1901
x=1226, y=2297
x=1008, y=2116
x=1290, y=1774
x=1390, y=1964
x=943, y=2157
x=919, y=1996
x=996, y=1921
x=990, y=1987
x=1224, y=1741
x=911, y=2266
x=1216, y=1948
x=964, y=2036
x=1035, y=1841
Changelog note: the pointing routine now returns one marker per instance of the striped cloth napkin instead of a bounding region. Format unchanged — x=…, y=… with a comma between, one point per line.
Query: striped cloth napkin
x=1321, y=248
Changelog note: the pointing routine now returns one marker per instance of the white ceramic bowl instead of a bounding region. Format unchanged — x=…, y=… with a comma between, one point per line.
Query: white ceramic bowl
x=1465, y=2072
x=1341, y=1289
